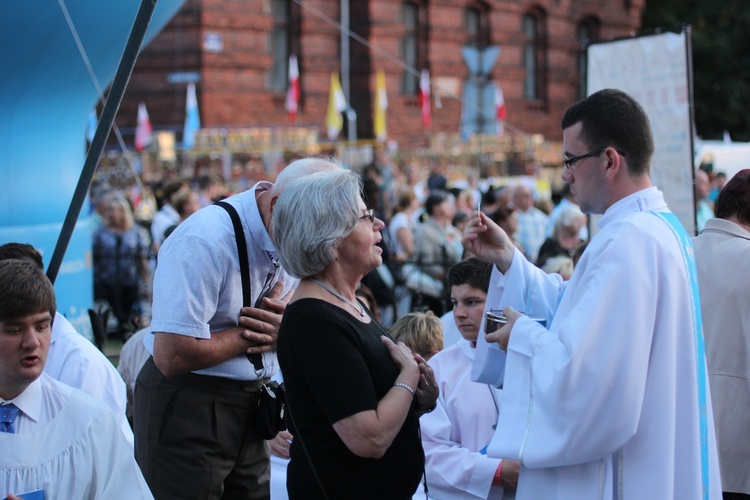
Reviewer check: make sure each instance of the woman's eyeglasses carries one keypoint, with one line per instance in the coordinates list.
(370, 214)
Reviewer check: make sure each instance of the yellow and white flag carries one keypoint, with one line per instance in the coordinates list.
(381, 106)
(336, 106)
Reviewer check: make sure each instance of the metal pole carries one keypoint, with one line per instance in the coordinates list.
(351, 116)
(111, 106)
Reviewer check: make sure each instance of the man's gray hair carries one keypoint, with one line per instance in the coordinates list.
(312, 215)
(302, 168)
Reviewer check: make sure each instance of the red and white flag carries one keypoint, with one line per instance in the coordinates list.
(293, 92)
(501, 112)
(424, 97)
(143, 131)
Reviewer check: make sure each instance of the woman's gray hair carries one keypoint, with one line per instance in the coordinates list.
(567, 218)
(311, 216)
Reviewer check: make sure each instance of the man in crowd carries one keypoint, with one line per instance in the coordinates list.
(703, 210)
(53, 437)
(166, 216)
(722, 254)
(195, 396)
(609, 400)
(532, 222)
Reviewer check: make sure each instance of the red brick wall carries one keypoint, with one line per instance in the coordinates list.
(233, 87)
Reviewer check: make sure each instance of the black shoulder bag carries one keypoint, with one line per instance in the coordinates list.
(268, 417)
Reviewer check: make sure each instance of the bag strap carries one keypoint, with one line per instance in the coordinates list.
(297, 436)
(239, 236)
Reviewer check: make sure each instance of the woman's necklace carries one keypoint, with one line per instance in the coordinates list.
(357, 307)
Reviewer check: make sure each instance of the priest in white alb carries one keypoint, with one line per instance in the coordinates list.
(609, 400)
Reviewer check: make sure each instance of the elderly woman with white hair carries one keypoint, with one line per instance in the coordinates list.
(354, 395)
(565, 235)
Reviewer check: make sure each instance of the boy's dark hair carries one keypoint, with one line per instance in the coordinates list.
(20, 251)
(472, 272)
(734, 198)
(24, 290)
(611, 117)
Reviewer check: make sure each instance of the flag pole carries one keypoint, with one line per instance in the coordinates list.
(111, 106)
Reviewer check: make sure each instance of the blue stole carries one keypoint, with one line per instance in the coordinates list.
(700, 352)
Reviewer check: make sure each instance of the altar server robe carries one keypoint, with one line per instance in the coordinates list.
(79, 454)
(460, 427)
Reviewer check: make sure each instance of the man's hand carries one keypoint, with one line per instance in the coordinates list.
(502, 335)
(509, 474)
(488, 241)
(427, 389)
(280, 444)
(262, 323)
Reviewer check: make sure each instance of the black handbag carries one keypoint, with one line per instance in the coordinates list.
(268, 416)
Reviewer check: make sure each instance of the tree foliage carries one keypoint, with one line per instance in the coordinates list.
(721, 60)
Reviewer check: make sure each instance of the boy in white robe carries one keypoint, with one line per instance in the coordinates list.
(52, 437)
(456, 434)
(611, 401)
(73, 359)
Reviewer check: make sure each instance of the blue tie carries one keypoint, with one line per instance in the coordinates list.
(8, 414)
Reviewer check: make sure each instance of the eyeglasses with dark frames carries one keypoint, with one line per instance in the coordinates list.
(370, 214)
(569, 162)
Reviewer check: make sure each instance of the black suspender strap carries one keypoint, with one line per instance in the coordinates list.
(239, 236)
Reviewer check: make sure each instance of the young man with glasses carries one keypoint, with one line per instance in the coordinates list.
(610, 399)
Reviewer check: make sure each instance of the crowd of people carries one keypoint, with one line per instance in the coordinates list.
(424, 218)
(365, 296)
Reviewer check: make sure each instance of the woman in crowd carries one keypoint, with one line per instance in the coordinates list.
(401, 226)
(507, 218)
(437, 246)
(186, 203)
(565, 235)
(354, 396)
(120, 251)
(401, 236)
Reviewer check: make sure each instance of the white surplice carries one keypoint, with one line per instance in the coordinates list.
(75, 361)
(461, 425)
(605, 403)
(75, 451)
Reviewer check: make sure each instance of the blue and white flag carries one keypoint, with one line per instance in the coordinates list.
(192, 119)
(91, 126)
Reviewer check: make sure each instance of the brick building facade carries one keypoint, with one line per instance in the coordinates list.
(239, 49)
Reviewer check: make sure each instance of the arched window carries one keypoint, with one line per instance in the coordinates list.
(413, 44)
(587, 31)
(534, 55)
(283, 41)
(477, 25)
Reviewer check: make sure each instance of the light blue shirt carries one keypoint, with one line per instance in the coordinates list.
(198, 286)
